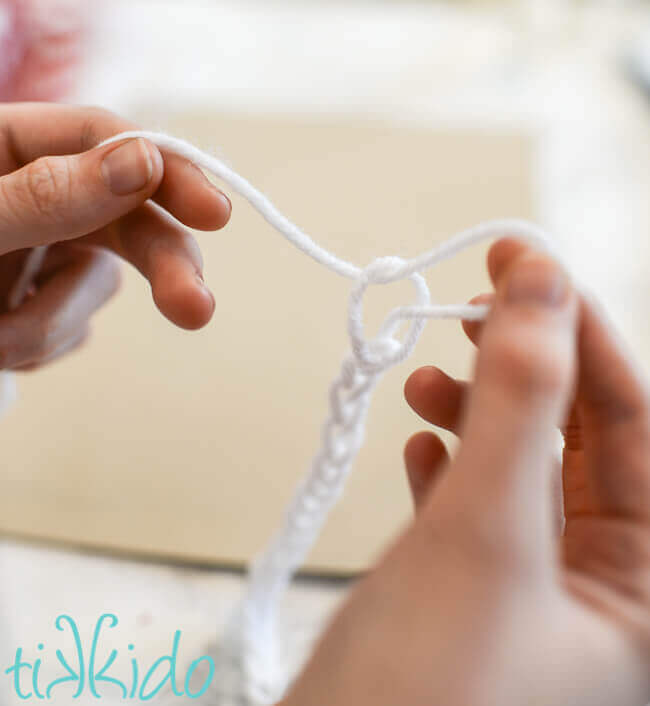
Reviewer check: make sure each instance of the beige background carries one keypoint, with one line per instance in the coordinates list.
(187, 445)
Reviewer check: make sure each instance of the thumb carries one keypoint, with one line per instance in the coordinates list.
(524, 383)
(64, 197)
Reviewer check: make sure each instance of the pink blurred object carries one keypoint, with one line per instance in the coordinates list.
(41, 45)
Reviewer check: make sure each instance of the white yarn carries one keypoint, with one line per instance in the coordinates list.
(248, 667)
(32, 266)
(8, 391)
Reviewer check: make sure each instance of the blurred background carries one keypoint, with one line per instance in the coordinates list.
(576, 73)
(571, 78)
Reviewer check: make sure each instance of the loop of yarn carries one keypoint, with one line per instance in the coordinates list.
(248, 668)
(383, 351)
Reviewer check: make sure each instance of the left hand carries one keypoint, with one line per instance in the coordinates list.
(90, 204)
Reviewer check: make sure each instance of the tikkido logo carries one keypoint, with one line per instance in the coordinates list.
(83, 672)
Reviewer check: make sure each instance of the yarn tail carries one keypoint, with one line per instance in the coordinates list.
(32, 266)
(8, 392)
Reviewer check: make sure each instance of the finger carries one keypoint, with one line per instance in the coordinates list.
(169, 257)
(615, 415)
(473, 328)
(524, 379)
(187, 194)
(502, 254)
(75, 342)
(59, 198)
(425, 457)
(60, 308)
(436, 397)
(577, 499)
(33, 130)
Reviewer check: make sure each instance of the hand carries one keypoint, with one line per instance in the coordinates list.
(478, 602)
(92, 203)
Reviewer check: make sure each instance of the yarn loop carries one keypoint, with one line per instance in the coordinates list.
(383, 351)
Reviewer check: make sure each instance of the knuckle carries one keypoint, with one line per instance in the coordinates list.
(481, 541)
(492, 543)
(98, 113)
(530, 367)
(47, 184)
(95, 121)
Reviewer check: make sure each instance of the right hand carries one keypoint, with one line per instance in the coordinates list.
(475, 603)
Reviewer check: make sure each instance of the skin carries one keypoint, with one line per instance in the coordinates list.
(481, 601)
(54, 190)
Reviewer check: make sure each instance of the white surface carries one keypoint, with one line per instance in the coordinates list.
(151, 601)
(414, 63)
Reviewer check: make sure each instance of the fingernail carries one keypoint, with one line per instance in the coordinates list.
(539, 283)
(127, 168)
(226, 202)
(204, 287)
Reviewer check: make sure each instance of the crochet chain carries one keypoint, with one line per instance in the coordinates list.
(248, 664)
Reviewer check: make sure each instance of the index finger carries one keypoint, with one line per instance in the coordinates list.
(33, 130)
(614, 406)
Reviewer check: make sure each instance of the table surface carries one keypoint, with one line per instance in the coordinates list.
(399, 62)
